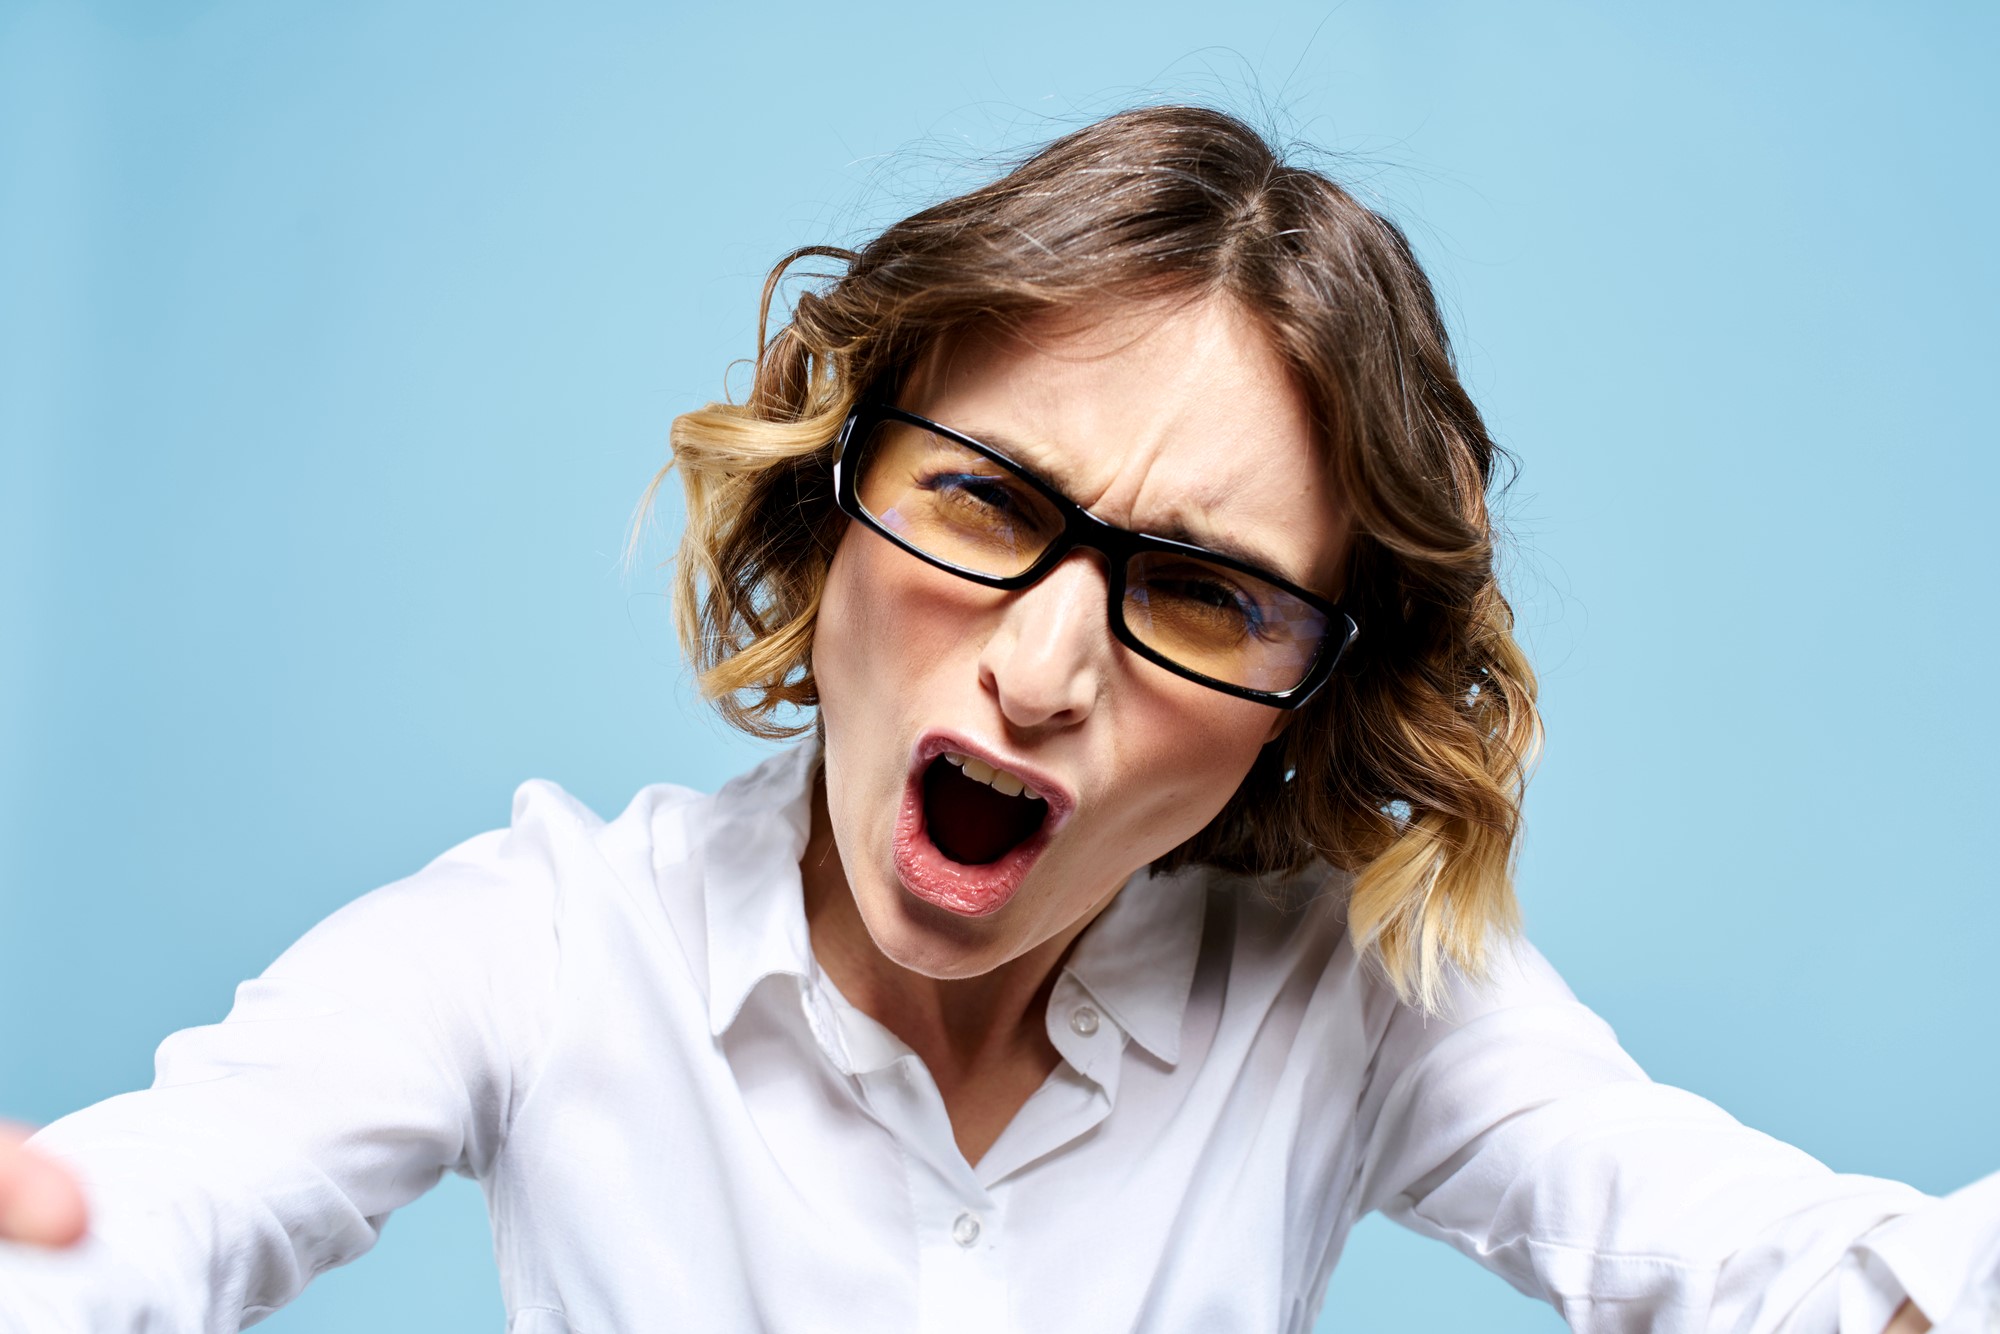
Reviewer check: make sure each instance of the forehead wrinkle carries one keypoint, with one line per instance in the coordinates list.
(1208, 501)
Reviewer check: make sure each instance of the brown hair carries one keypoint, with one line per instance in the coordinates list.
(1407, 769)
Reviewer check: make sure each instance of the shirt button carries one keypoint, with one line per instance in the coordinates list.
(965, 1229)
(1083, 1020)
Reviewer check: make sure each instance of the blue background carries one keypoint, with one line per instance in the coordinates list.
(337, 343)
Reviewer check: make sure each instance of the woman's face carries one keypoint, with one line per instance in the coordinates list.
(1182, 423)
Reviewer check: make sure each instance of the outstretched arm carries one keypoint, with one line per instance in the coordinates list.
(386, 1047)
(1517, 1130)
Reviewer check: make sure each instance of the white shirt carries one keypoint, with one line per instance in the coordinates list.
(619, 1029)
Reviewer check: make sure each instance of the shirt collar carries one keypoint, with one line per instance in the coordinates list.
(755, 903)
(1137, 959)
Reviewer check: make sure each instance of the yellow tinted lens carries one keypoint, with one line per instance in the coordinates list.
(952, 503)
(1220, 622)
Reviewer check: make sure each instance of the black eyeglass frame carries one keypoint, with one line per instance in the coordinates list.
(1117, 545)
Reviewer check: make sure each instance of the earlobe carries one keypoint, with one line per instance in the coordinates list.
(1278, 725)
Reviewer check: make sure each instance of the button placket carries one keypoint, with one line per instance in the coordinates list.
(965, 1229)
(962, 1275)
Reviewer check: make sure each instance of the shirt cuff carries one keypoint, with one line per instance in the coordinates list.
(1945, 1257)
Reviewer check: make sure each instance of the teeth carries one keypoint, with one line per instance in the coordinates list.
(998, 779)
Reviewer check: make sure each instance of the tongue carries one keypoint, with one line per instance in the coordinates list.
(969, 821)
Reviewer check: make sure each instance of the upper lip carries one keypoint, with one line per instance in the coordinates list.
(1046, 785)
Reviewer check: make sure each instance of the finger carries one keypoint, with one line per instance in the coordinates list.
(40, 1201)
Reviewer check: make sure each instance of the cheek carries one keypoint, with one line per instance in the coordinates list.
(887, 622)
(1193, 752)
(843, 624)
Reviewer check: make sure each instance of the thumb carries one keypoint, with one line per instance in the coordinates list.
(40, 1201)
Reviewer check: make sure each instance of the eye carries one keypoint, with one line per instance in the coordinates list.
(1209, 594)
(1214, 593)
(993, 506)
(984, 489)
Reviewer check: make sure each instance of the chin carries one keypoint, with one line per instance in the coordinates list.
(930, 940)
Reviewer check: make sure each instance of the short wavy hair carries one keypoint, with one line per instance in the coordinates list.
(1407, 769)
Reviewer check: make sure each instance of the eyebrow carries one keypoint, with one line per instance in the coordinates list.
(1028, 458)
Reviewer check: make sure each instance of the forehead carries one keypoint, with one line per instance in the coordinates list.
(1180, 421)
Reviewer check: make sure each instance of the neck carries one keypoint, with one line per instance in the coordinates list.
(960, 1027)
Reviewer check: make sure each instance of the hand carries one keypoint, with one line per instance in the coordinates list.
(40, 1201)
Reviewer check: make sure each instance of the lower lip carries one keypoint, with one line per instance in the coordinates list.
(969, 891)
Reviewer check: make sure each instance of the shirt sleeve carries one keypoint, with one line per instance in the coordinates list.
(386, 1046)
(1517, 1130)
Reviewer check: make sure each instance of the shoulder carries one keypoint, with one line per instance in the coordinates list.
(1503, 1043)
(1286, 945)
(493, 904)
(553, 834)
(1296, 924)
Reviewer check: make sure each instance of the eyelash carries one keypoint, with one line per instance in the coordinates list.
(1246, 606)
(966, 481)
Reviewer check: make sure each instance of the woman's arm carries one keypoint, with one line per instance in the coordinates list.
(386, 1047)
(1518, 1131)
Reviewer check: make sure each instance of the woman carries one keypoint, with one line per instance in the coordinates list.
(1135, 917)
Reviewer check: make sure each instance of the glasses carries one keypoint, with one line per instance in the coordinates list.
(967, 508)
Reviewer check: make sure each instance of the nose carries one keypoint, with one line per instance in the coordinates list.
(1045, 661)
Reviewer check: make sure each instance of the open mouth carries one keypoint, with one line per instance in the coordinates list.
(976, 814)
(970, 831)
